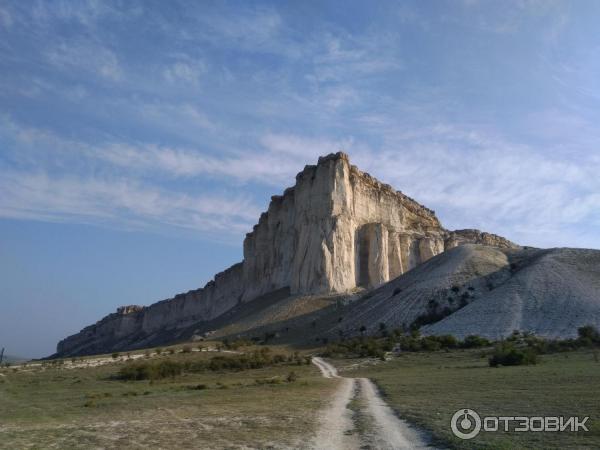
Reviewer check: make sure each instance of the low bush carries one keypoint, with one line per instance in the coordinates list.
(519, 348)
(474, 341)
(235, 344)
(150, 371)
(377, 347)
(360, 347)
(169, 368)
(432, 316)
(262, 381)
(507, 354)
(292, 376)
(588, 335)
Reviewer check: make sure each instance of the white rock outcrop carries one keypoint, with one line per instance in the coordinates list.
(336, 230)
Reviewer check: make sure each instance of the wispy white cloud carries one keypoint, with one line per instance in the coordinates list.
(88, 56)
(252, 28)
(476, 179)
(170, 115)
(278, 158)
(122, 202)
(288, 97)
(186, 72)
(513, 16)
(88, 13)
(342, 57)
(6, 19)
(472, 177)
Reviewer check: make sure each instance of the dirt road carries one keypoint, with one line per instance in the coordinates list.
(358, 417)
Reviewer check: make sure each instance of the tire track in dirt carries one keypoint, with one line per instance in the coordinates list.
(337, 429)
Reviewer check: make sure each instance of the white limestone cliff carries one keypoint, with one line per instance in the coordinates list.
(336, 230)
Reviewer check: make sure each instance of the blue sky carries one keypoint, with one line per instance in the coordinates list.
(139, 141)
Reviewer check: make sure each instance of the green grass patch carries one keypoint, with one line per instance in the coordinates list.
(427, 388)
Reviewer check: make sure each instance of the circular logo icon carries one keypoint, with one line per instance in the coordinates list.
(465, 424)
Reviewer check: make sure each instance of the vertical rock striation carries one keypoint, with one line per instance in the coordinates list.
(336, 230)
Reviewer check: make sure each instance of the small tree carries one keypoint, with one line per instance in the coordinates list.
(588, 334)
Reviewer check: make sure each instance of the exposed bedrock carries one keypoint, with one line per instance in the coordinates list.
(335, 230)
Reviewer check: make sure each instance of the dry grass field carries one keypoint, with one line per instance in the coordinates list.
(83, 407)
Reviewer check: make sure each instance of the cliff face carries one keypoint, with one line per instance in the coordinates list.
(337, 229)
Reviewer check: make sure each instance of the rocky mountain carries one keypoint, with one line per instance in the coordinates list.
(488, 291)
(336, 231)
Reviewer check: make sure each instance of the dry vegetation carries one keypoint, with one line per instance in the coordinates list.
(53, 406)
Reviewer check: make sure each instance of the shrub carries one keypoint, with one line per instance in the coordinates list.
(464, 299)
(361, 347)
(150, 371)
(588, 335)
(291, 377)
(474, 341)
(507, 354)
(234, 345)
(432, 316)
(430, 343)
(186, 349)
(274, 380)
(448, 341)
(115, 355)
(169, 368)
(269, 336)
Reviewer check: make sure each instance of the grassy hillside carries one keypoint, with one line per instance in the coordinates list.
(427, 388)
(80, 404)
